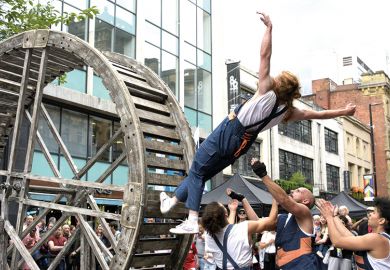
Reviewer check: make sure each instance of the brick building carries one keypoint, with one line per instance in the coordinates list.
(373, 89)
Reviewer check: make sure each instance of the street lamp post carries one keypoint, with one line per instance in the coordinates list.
(373, 147)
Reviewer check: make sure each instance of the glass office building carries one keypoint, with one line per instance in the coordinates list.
(173, 39)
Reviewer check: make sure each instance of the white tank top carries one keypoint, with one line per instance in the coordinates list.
(238, 246)
(379, 264)
(258, 108)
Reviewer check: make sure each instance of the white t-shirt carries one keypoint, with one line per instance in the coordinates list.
(237, 246)
(265, 238)
(258, 108)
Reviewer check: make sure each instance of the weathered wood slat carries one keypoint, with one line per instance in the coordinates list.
(164, 148)
(17, 60)
(128, 71)
(71, 209)
(161, 132)
(70, 59)
(16, 77)
(36, 59)
(136, 84)
(11, 67)
(157, 228)
(151, 259)
(12, 85)
(157, 244)
(151, 106)
(152, 209)
(155, 118)
(154, 195)
(165, 163)
(145, 95)
(164, 179)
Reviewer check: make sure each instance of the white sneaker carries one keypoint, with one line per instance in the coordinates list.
(186, 227)
(319, 254)
(165, 203)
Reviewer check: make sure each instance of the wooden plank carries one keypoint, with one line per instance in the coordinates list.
(165, 163)
(16, 77)
(160, 132)
(91, 241)
(71, 209)
(151, 259)
(164, 179)
(18, 69)
(3, 243)
(151, 106)
(155, 118)
(108, 233)
(45, 150)
(159, 228)
(36, 59)
(128, 73)
(15, 86)
(152, 209)
(127, 70)
(103, 248)
(72, 182)
(145, 95)
(46, 189)
(136, 84)
(154, 195)
(17, 60)
(16, 132)
(20, 246)
(154, 244)
(59, 140)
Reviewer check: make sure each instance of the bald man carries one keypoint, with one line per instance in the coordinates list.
(294, 231)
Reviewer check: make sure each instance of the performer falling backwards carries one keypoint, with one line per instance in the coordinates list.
(271, 104)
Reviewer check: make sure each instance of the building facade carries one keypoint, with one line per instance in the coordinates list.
(372, 97)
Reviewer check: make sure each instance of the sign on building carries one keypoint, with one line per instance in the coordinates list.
(369, 192)
(233, 85)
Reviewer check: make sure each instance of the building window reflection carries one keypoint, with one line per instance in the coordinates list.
(333, 177)
(99, 134)
(290, 163)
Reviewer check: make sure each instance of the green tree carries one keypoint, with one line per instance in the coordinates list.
(296, 180)
(21, 15)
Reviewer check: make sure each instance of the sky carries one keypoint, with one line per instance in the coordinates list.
(309, 35)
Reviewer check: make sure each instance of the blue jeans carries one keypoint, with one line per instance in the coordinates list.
(213, 155)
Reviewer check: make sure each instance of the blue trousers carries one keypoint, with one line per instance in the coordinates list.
(213, 155)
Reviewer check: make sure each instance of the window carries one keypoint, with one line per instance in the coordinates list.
(115, 28)
(300, 131)
(162, 41)
(331, 141)
(99, 134)
(197, 61)
(242, 165)
(332, 178)
(290, 163)
(83, 135)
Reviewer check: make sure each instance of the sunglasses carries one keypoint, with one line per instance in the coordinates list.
(241, 213)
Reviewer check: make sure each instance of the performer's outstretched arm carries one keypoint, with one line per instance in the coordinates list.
(265, 81)
(299, 114)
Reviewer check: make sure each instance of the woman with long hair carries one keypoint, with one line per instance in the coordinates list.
(231, 244)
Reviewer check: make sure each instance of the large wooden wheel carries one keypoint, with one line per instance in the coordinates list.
(158, 149)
